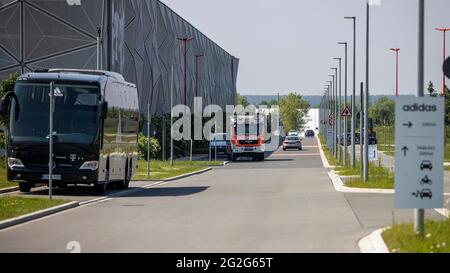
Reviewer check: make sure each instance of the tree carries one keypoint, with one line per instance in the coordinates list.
(431, 89)
(383, 110)
(7, 85)
(293, 110)
(242, 100)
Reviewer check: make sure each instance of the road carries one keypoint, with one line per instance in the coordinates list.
(285, 204)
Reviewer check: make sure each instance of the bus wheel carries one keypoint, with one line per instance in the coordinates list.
(24, 186)
(100, 189)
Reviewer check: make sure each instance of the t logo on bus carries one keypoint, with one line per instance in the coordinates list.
(73, 157)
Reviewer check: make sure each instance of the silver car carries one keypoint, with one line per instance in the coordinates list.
(292, 142)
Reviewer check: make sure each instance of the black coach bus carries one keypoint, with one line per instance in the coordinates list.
(96, 125)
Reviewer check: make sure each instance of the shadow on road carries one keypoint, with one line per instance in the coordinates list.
(279, 160)
(169, 192)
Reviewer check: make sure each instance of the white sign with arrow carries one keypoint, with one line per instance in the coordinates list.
(419, 139)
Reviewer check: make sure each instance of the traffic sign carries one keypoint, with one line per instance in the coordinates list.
(447, 67)
(419, 139)
(331, 119)
(347, 112)
(330, 138)
(373, 152)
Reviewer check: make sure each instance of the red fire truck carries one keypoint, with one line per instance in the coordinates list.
(247, 137)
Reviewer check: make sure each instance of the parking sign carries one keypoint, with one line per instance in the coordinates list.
(419, 139)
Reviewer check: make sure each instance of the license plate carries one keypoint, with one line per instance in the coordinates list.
(54, 177)
(248, 149)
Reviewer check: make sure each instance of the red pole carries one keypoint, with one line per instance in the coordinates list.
(396, 69)
(443, 75)
(185, 71)
(444, 30)
(396, 77)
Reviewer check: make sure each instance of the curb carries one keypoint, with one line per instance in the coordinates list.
(35, 215)
(340, 187)
(8, 190)
(325, 162)
(373, 243)
(187, 175)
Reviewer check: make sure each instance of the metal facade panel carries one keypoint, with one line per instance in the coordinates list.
(56, 34)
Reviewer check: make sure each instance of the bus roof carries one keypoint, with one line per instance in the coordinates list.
(75, 75)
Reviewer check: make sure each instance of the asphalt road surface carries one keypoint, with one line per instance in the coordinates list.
(285, 204)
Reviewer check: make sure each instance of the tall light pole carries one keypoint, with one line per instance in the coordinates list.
(339, 111)
(333, 143)
(365, 157)
(185, 41)
(396, 50)
(197, 84)
(353, 130)
(345, 102)
(335, 118)
(444, 32)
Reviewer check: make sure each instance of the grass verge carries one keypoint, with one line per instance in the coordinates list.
(3, 181)
(328, 153)
(160, 170)
(402, 239)
(11, 207)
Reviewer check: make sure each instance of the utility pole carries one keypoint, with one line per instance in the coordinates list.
(353, 129)
(419, 214)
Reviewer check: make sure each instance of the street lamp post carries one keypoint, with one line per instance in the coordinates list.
(335, 118)
(333, 143)
(339, 148)
(444, 32)
(185, 40)
(197, 85)
(396, 50)
(345, 103)
(353, 129)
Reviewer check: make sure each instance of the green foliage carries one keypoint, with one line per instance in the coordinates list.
(383, 110)
(13, 206)
(242, 100)
(269, 104)
(154, 147)
(431, 90)
(293, 109)
(401, 238)
(7, 85)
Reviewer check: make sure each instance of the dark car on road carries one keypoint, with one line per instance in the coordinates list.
(310, 133)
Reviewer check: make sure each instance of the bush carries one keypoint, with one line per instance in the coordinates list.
(155, 148)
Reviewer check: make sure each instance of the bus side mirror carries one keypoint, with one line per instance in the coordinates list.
(104, 112)
(6, 102)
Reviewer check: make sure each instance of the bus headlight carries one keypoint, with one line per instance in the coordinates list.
(90, 165)
(15, 163)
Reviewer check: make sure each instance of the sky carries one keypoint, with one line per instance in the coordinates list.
(288, 45)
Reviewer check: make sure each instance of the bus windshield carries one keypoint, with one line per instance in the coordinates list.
(76, 116)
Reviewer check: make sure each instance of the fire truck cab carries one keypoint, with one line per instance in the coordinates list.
(247, 137)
